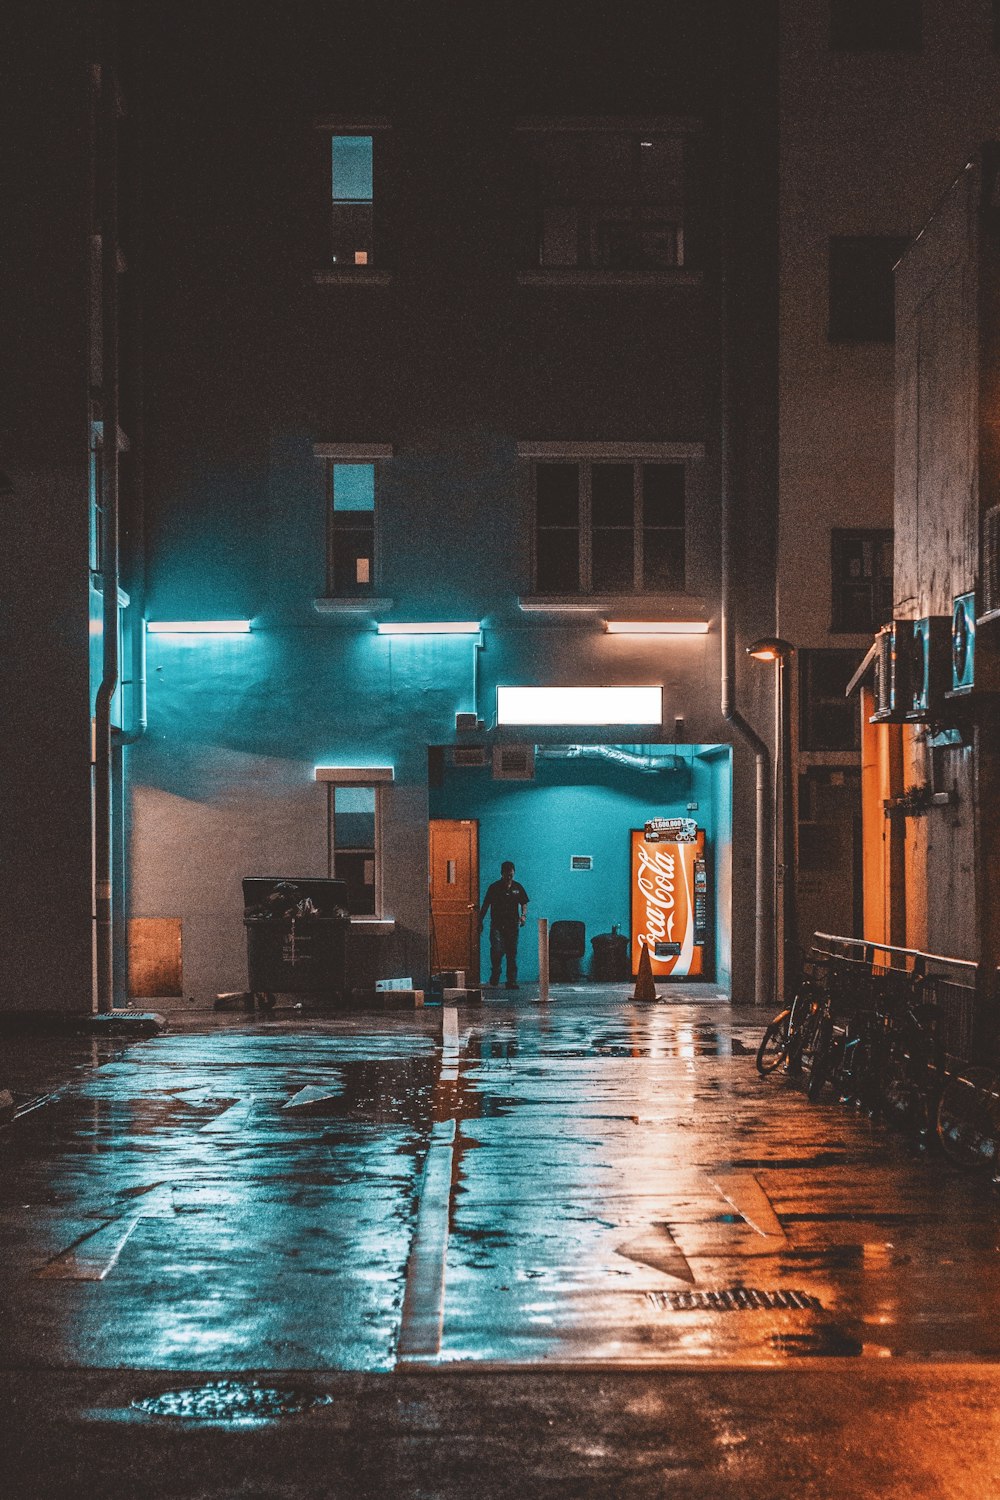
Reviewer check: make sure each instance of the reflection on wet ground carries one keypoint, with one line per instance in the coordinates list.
(590, 1180)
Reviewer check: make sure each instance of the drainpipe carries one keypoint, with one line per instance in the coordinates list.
(108, 189)
(727, 464)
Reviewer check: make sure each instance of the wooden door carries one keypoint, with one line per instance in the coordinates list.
(454, 867)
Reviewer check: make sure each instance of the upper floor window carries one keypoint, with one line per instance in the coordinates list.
(607, 527)
(827, 719)
(609, 199)
(350, 529)
(861, 577)
(875, 25)
(862, 287)
(351, 159)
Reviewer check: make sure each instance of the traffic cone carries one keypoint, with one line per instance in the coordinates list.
(645, 989)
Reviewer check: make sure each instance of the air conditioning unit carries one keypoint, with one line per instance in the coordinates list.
(963, 645)
(930, 668)
(513, 762)
(468, 757)
(893, 662)
(990, 570)
(975, 650)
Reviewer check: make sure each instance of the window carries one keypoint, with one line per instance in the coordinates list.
(828, 720)
(98, 519)
(351, 186)
(861, 576)
(609, 527)
(875, 25)
(862, 288)
(609, 199)
(353, 845)
(351, 529)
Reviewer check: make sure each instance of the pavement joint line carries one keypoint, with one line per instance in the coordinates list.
(94, 1255)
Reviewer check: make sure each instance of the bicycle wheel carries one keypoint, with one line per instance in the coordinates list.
(968, 1118)
(821, 1060)
(802, 1023)
(914, 1070)
(773, 1044)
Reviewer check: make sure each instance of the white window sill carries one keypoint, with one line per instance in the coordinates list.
(575, 276)
(352, 276)
(639, 606)
(377, 926)
(351, 606)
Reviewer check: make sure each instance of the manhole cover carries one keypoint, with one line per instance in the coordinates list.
(238, 1402)
(736, 1299)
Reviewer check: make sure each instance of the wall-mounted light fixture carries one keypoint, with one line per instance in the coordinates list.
(579, 705)
(198, 627)
(431, 627)
(656, 627)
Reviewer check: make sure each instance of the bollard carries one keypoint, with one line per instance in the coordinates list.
(543, 958)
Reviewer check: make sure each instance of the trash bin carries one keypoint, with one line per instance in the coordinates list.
(611, 961)
(296, 936)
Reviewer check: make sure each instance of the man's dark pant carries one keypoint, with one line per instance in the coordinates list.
(503, 944)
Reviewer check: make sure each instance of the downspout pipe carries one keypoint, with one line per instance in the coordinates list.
(728, 475)
(108, 211)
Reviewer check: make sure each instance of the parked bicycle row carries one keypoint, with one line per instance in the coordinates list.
(874, 1037)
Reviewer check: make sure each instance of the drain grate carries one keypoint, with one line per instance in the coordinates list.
(735, 1299)
(240, 1403)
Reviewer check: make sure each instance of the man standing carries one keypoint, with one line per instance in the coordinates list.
(505, 900)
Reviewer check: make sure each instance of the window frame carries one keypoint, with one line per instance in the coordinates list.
(840, 538)
(344, 273)
(333, 455)
(811, 704)
(377, 779)
(585, 456)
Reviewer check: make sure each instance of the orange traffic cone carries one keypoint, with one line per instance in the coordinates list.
(645, 989)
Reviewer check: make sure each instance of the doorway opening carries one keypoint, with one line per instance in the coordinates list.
(573, 819)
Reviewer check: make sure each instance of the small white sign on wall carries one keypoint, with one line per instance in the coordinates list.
(581, 861)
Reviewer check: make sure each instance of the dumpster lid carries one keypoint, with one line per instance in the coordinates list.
(328, 896)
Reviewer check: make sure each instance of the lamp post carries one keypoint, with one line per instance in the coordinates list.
(773, 648)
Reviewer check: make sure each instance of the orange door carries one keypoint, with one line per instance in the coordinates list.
(454, 862)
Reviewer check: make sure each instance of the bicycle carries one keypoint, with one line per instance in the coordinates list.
(791, 1034)
(968, 1119)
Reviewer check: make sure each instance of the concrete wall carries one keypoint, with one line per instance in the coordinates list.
(46, 952)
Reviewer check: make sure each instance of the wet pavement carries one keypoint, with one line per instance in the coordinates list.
(593, 1189)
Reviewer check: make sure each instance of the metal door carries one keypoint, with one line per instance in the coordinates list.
(454, 881)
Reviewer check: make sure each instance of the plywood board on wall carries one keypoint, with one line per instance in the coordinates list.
(155, 968)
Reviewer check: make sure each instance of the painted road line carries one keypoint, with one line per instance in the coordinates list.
(233, 1118)
(449, 1044)
(93, 1255)
(744, 1193)
(422, 1321)
(312, 1094)
(657, 1247)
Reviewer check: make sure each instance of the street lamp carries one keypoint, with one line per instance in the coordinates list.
(773, 648)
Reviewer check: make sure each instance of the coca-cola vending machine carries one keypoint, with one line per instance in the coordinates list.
(669, 897)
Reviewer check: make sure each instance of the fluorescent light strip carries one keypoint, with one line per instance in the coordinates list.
(433, 627)
(656, 627)
(579, 705)
(198, 627)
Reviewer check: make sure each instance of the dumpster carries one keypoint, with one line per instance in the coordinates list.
(296, 936)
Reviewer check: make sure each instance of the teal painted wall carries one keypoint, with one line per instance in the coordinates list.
(579, 806)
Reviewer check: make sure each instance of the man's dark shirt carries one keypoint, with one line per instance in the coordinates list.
(505, 903)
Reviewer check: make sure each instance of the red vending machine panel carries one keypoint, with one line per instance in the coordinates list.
(669, 899)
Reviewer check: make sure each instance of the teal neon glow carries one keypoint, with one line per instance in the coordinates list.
(579, 705)
(432, 627)
(198, 627)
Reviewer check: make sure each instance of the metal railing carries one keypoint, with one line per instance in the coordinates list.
(964, 991)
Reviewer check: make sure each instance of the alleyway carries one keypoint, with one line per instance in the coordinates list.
(594, 1183)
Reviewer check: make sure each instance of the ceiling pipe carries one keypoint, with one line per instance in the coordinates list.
(649, 764)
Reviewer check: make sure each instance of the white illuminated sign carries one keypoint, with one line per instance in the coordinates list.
(579, 705)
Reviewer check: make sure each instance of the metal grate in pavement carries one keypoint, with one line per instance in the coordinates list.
(232, 1402)
(736, 1299)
